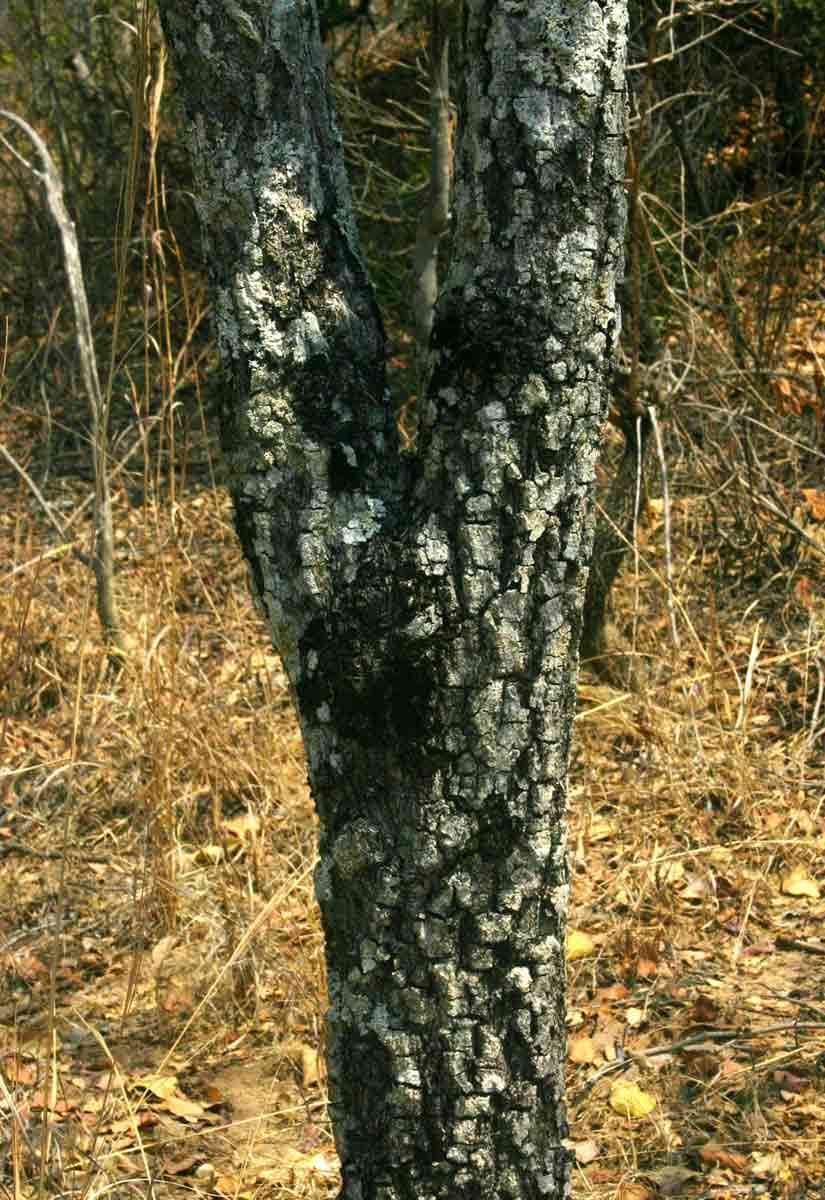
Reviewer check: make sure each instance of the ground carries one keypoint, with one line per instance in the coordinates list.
(161, 964)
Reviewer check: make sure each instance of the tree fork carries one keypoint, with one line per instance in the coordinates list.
(427, 609)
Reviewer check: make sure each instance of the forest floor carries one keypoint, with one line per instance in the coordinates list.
(161, 965)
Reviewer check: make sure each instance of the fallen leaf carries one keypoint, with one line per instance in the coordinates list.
(209, 855)
(18, 1071)
(634, 1191)
(616, 991)
(579, 945)
(671, 1180)
(162, 1086)
(705, 1010)
(175, 1000)
(629, 1100)
(228, 1185)
(585, 1151)
(582, 1050)
(799, 883)
(789, 1082)
(600, 830)
(718, 1156)
(730, 1067)
(178, 1165)
(190, 1110)
(763, 1166)
(696, 888)
(246, 825)
(815, 500)
(309, 1065)
(634, 1017)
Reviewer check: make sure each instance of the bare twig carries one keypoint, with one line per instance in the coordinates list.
(435, 215)
(9, 847)
(103, 557)
(712, 33)
(729, 1036)
(33, 488)
(49, 511)
(789, 943)
(660, 450)
(784, 519)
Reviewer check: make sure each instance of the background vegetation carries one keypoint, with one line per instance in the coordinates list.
(161, 968)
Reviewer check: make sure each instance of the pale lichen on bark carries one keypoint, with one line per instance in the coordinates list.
(427, 610)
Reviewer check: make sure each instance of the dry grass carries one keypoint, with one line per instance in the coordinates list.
(162, 988)
(159, 814)
(697, 839)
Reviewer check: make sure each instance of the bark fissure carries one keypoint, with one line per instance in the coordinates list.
(427, 610)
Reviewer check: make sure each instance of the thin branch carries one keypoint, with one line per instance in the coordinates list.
(783, 517)
(704, 37)
(666, 514)
(33, 488)
(103, 558)
(435, 215)
(789, 943)
(49, 511)
(729, 1036)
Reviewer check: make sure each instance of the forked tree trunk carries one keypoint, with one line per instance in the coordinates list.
(427, 611)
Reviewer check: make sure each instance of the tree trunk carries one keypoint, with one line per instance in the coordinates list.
(427, 609)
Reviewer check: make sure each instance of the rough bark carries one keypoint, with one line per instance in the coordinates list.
(427, 610)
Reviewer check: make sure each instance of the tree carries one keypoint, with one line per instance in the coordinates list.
(427, 607)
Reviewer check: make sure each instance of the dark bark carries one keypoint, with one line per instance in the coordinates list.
(614, 529)
(427, 610)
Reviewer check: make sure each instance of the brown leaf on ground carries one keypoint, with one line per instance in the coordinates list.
(718, 1156)
(586, 1151)
(582, 1050)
